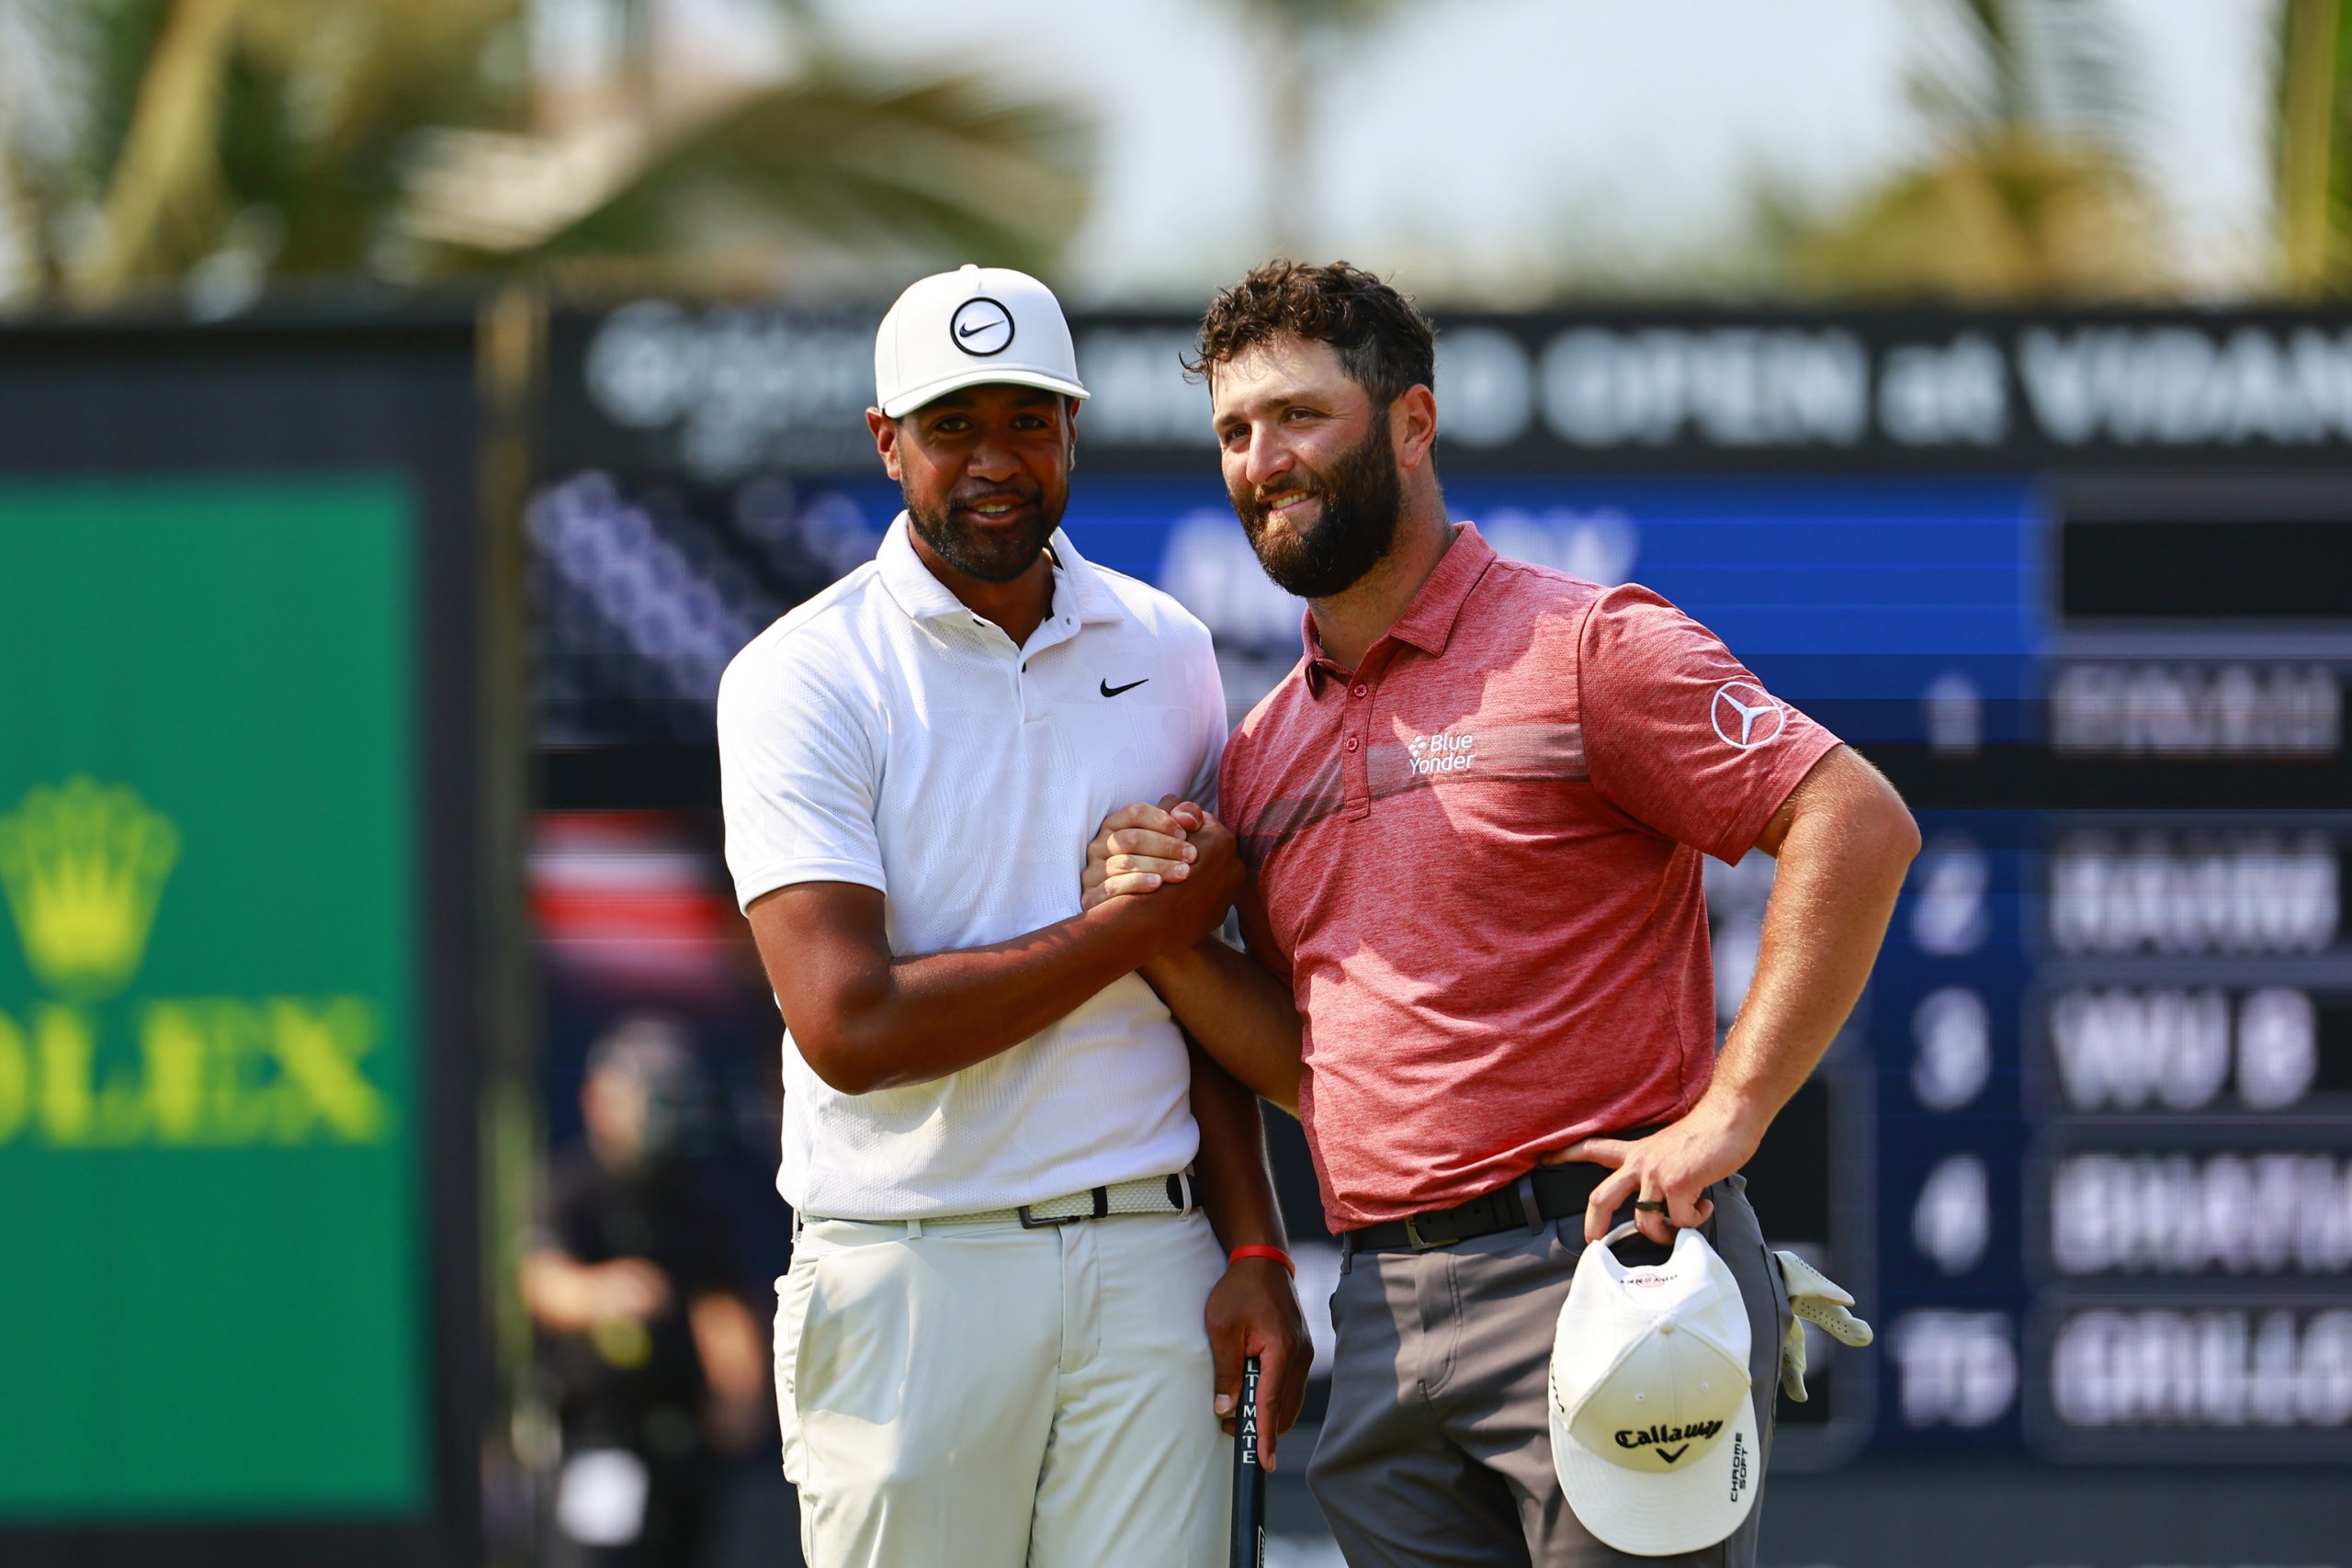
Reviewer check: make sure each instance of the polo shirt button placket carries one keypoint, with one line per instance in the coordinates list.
(1354, 769)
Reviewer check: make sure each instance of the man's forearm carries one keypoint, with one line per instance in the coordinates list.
(556, 1292)
(866, 1022)
(1235, 1186)
(1833, 893)
(1241, 1014)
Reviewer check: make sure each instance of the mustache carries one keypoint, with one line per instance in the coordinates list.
(1262, 496)
(975, 495)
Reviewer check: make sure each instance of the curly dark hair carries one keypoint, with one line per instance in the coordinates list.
(1384, 341)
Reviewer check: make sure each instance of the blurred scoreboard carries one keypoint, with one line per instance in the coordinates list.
(2082, 587)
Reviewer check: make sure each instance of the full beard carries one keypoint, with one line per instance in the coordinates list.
(1353, 528)
(985, 554)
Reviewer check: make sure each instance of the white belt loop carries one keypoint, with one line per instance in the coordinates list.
(915, 1230)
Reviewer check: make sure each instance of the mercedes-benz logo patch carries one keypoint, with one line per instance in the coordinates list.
(981, 326)
(1746, 716)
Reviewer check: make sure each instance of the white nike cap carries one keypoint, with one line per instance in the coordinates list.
(976, 324)
(1653, 1432)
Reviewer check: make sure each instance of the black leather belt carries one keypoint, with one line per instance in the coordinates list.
(1547, 1192)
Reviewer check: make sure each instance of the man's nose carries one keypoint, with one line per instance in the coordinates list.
(1265, 459)
(992, 460)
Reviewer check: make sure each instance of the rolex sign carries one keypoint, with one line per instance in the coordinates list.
(211, 1296)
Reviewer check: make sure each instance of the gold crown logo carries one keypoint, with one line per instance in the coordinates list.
(84, 866)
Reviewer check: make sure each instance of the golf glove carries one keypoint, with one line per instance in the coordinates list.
(1813, 1297)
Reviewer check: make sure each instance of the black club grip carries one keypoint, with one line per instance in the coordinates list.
(1248, 1477)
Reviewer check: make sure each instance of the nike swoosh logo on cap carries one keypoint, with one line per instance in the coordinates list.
(1110, 691)
(975, 332)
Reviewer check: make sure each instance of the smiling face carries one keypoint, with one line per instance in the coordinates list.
(1310, 464)
(984, 472)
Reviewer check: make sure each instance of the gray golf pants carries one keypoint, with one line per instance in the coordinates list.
(1437, 1452)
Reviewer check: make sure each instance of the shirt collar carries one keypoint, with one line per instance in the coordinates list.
(1077, 588)
(922, 596)
(1428, 622)
(1090, 596)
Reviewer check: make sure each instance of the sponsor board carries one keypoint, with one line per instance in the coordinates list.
(208, 1063)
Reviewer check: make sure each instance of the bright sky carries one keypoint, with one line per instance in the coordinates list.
(1475, 144)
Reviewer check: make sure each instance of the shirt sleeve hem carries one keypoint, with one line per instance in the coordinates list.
(1817, 743)
(757, 884)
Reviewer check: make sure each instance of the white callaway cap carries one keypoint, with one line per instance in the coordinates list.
(1653, 1432)
(963, 328)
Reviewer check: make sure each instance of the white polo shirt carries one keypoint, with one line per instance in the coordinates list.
(882, 734)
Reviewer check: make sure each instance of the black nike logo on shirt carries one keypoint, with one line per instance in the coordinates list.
(1110, 691)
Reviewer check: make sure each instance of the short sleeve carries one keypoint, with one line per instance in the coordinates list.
(1678, 734)
(800, 775)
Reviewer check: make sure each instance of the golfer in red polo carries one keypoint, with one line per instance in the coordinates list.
(1474, 815)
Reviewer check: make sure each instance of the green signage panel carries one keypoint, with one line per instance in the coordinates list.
(211, 1275)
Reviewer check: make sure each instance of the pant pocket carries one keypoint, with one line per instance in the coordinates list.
(792, 1292)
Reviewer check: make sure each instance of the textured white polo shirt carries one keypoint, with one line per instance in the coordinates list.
(882, 734)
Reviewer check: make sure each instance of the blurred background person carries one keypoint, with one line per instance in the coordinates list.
(657, 1365)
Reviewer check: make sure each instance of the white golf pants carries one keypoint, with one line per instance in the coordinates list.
(990, 1397)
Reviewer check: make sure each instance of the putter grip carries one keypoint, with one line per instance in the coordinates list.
(1248, 1477)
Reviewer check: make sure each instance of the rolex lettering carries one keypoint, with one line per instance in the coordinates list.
(85, 866)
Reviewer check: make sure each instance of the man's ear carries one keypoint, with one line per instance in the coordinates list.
(1413, 425)
(885, 441)
(1072, 403)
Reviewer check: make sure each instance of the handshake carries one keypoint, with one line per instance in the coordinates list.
(1179, 867)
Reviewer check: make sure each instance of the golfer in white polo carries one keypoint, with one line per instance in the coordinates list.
(1036, 1236)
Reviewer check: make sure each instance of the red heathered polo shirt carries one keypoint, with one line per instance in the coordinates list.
(1477, 858)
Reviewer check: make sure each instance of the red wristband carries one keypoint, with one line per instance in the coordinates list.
(1258, 1250)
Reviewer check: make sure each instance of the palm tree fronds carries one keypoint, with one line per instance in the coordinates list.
(2313, 144)
(168, 196)
(2030, 190)
(2013, 218)
(840, 163)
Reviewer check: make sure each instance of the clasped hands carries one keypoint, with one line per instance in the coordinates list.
(1176, 850)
